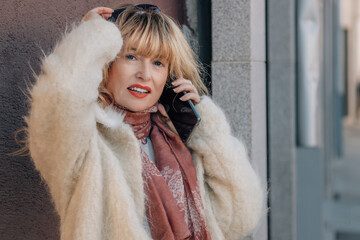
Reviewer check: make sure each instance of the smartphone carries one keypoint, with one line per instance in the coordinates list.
(182, 114)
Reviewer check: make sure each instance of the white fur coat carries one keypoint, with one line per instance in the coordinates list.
(90, 159)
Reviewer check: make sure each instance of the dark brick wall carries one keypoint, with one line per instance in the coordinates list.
(26, 29)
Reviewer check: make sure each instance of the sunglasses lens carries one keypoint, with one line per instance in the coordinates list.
(148, 7)
(114, 16)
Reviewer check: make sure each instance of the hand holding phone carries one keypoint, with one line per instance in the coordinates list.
(182, 114)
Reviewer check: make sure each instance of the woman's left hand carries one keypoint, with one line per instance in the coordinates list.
(97, 12)
(192, 94)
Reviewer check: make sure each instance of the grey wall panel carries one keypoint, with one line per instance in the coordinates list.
(281, 72)
(309, 182)
(231, 30)
(231, 90)
(239, 78)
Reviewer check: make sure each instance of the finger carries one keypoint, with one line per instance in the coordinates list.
(195, 98)
(106, 16)
(90, 15)
(185, 87)
(180, 81)
(102, 10)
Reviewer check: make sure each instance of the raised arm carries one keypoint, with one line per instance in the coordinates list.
(232, 188)
(61, 122)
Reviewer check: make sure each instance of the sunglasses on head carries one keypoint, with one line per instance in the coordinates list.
(146, 7)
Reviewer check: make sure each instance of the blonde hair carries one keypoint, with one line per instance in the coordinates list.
(154, 34)
(24, 150)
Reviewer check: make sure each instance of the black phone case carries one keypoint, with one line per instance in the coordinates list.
(182, 114)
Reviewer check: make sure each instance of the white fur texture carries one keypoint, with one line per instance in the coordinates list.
(90, 158)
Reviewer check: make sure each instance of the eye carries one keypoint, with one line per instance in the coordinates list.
(158, 63)
(130, 57)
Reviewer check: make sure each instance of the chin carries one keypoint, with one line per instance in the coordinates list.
(139, 108)
(136, 105)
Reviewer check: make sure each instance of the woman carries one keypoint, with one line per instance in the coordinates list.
(105, 148)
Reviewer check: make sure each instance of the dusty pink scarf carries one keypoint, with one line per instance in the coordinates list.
(174, 207)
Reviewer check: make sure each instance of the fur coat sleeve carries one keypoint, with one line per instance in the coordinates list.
(61, 123)
(231, 189)
(88, 187)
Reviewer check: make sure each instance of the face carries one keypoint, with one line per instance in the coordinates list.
(136, 82)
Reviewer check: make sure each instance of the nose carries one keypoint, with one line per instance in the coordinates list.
(145, 70)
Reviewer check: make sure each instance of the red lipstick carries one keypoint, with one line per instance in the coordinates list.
(139, 91)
